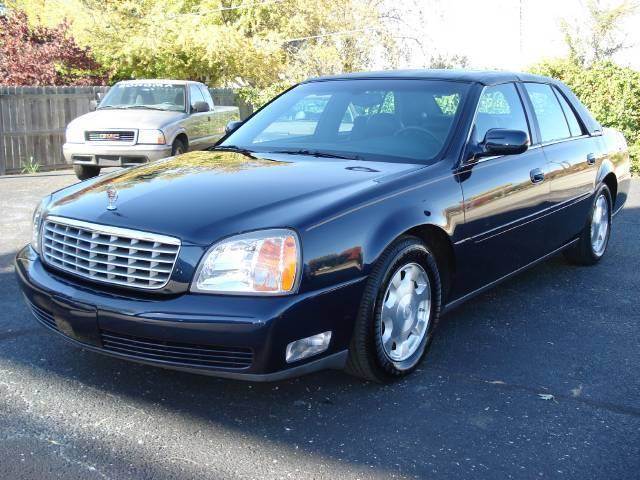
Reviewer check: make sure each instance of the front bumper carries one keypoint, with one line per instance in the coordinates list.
(113, 155)
(198, 333)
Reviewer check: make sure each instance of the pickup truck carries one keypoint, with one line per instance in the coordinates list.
(144, 120)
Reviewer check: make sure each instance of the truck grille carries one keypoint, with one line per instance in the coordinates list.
(109, 254)
(111, 136)
(232, 358)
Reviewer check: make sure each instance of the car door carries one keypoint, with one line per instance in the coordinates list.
(196, 124)
(572, 158)
(504, 196)
(214, 128)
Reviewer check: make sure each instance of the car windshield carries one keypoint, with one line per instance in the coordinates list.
(151, 96)
(378, 120)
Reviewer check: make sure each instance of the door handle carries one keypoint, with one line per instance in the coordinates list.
(536, 175)
(591, 159)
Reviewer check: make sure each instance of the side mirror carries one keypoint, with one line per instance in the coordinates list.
(502, 141)
(232, 126)
(93, 104)
(200, 107)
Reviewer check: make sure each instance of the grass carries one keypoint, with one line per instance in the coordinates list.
(30, 166)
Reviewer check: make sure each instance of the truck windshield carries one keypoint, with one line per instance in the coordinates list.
(377, 119)
(152, 96)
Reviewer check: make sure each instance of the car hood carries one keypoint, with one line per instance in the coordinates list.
(203, 196)
(133, 118)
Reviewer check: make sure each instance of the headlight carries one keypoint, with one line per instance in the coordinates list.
(74, 134)
(266, 262)
(151, 137)
(36, 222)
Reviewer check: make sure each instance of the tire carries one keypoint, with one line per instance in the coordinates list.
(369, 354)
(178, 148)
(594, 238)
(84, 172)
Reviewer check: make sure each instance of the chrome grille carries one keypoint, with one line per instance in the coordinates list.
(109, 254)
(111, 136)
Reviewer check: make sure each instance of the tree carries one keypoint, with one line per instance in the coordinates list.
(260, 46)
(39, 55)
(600, 37)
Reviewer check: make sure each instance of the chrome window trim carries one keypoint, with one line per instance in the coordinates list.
(116, 231)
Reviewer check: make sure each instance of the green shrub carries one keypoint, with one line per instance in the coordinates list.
(610, 92)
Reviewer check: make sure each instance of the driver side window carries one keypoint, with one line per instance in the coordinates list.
(500, 107)
(195, 94)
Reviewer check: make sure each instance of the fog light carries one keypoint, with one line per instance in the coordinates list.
(306, 347)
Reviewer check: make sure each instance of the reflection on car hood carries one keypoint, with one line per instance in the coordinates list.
(202, 196)
(130, 118)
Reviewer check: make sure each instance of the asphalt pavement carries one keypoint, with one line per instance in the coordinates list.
(537, 378)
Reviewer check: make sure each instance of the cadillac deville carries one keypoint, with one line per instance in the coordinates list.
(332, 229)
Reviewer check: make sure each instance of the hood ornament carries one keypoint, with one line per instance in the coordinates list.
(112, 197)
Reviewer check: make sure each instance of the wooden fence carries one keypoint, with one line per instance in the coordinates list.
(33, 121)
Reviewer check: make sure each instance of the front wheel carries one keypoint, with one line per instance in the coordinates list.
(398, 313)
(594, 239)
(178, 147)
(84, 172)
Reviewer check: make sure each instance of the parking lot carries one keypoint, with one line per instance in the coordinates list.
(538, 378)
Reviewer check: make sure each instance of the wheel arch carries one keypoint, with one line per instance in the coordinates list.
(435, 233)
(441, 246)
(607, 175)
(182, 136)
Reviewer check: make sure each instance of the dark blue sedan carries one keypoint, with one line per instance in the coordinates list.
(331, 229)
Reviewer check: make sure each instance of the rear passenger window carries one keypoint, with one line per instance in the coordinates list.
(499, 107)
(574, 125)
(551, 120)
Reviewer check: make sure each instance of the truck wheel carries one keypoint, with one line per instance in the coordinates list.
(594, 239)
(178, 147)
(83, 172)
(398, 313)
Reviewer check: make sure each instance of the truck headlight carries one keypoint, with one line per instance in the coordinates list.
(151, 137)
(265, 262)
(74, 134)
(36, 223)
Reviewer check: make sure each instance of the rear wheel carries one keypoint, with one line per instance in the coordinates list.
(398, 313)
(84, 172)
(594, 239)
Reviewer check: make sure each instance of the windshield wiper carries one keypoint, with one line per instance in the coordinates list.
(143, 107)
(230, 148)
(318, 154)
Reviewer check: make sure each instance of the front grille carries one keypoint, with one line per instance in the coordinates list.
(111, 136)
(231, 358)
(109, 254)
(43, 317)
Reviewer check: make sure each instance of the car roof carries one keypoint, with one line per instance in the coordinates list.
(159, 80)
(485, 77)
